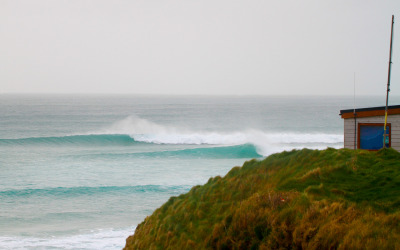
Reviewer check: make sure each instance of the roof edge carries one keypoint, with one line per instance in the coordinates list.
(372, 111)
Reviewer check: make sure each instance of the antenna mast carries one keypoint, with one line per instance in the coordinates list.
(354, 113)
(385, 136)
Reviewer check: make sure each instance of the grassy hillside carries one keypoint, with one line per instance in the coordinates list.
(300, 199)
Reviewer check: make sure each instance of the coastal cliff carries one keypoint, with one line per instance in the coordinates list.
(299, 199)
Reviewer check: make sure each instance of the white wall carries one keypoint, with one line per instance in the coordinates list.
(349, 129)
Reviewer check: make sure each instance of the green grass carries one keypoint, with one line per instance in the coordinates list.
(298, 199)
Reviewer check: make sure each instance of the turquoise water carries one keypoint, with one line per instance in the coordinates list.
(80, 172)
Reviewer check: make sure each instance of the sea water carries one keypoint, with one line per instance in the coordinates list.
(80, 172)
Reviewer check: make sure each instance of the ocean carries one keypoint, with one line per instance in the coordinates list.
(81, 171)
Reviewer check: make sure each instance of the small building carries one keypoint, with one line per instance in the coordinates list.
(363, 128)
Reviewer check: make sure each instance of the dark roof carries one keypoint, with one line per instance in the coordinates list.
(368, 109)
(373, 111)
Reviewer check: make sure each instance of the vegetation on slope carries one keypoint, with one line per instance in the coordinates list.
(300, 199)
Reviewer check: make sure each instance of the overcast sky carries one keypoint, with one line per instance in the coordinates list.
(218, 47)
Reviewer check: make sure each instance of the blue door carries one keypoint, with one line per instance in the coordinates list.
(371, 136)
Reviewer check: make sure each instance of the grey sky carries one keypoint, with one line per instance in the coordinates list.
(198, 47)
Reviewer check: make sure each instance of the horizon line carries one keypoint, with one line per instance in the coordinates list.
(183, 95)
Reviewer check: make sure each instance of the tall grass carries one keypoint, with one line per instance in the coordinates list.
(299, 199)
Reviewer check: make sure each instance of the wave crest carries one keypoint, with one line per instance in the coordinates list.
(133, 130)
(220, 152)
(78, 191)
(97, 139)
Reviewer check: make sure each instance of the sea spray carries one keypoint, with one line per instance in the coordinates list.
(142, 130)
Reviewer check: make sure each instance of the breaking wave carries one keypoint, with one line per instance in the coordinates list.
(134, 130)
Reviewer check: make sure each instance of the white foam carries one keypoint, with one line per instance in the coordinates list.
(94, 239)
(193, 138)
(142, 130)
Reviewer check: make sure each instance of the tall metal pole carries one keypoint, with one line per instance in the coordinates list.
(354, 113)
(388, 85)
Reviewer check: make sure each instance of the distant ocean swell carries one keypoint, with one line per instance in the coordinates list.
(85, 191)
(85, 140)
